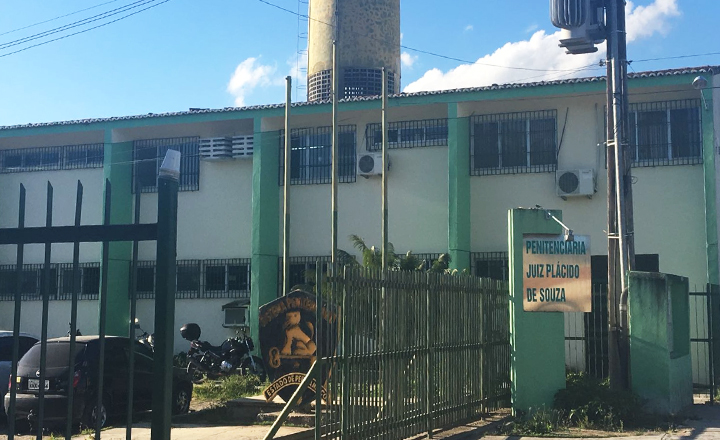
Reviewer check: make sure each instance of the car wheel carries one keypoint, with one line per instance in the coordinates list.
(91, 414)
(181, 399)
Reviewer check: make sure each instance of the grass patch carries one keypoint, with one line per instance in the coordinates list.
(228, 388)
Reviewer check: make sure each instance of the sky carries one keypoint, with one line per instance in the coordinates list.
(172, 55)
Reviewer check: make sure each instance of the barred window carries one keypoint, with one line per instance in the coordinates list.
(302, 270)
(511, 143)
(148, 155)
(65, 157)
(311, 155)
(666, 133)
(228, 278)
(493, 265)
(61, 281)
(408, 134)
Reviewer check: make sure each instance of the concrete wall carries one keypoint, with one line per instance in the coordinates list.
(660, 359)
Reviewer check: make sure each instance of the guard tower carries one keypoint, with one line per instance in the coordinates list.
(368, 39)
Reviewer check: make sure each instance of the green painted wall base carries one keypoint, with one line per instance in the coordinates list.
(537, 339)
(660, 364)
(118, 169)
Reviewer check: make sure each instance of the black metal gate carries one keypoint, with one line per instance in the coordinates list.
(703, 317)
(164, 232)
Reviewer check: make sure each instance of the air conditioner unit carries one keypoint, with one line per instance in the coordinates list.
(217, 148)
(236, 313)
(242, 146)
(370, 164)
(569, 183)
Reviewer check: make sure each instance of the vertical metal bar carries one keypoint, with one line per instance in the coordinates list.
(320, 345)
(73, 315)
(428, 354)
(286, 190)
(166, 286)
(384, 176)
(103, 313)
(45, 306)
(335, 158)
(711, 338)
(16, 318)
(133, 314)
(344, 407)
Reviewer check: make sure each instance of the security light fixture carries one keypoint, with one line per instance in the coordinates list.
(567, 232)
(699, 83)
(171, 165)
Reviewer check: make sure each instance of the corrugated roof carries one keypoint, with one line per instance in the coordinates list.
(649, 74)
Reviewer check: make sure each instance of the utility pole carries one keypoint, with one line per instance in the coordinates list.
(620, 226)
(583, 29)
(335, 92)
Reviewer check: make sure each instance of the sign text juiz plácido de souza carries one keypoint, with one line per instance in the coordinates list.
(556, 273)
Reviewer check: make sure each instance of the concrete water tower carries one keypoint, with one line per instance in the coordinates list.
(368, 39)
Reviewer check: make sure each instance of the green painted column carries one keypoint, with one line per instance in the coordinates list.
(118, 169)
(713, 271)
(537, 339)
(266, 223)
(458, 189)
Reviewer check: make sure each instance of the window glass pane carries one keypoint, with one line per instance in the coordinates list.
(12, 160)
(412, 134)
(146, 166)
(238, 278)
(29, 281)
(91, 281)
(514, 143)
(7, 282)
(685, 132)
(346, 151)
(215, 278)
(188, 278)
(486, 145)
(652, 135)
(542, 141)
(436, 133)
(53, 281)
(67, 280)
(145, 279)
(33, 159)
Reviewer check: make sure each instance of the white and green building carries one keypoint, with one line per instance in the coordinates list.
(459, 160)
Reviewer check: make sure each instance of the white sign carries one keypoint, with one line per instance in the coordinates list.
(556, 273)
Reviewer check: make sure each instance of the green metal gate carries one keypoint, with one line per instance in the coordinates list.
(416, 352)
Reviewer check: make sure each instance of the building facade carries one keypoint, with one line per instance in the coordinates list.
(459, 160)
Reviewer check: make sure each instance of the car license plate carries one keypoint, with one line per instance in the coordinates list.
(34, 384)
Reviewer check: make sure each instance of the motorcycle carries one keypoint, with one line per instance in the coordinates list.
(233, 356)
(146, 339)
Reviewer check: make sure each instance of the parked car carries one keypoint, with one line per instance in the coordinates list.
(6, 347)
(84, 385)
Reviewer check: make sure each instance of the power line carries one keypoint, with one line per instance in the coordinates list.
(78, 23)
(84, 30)
(420, 50)
(57, 18)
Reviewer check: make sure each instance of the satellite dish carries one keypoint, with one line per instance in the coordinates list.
(699, 83)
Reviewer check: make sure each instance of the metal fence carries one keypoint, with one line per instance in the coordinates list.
(586, 336)
(702, 304)
(417, 351)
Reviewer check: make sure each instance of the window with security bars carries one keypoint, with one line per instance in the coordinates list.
(61, 281)
(65, 157)
(148, 155)
(665, 133)
(510, 143)
(493, 265)
(311, 155)
(302, 271)
(229, 278)
(408, 134)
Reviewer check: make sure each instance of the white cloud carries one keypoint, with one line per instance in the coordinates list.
(532, 28)
(541, 52)
(248, 75)
(469, 28)
(408, 60)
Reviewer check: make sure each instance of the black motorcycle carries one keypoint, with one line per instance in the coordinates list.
(231, 357)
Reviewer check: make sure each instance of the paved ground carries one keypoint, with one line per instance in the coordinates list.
(702, 423)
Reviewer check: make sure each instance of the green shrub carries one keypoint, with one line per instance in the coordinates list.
(180, 360)
(228, 388)
(590, 403)
(537, 423)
